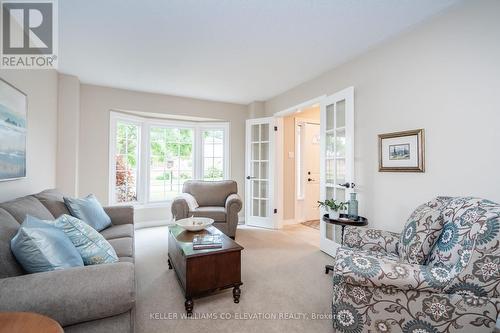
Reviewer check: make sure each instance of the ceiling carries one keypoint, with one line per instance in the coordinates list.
(226, 50)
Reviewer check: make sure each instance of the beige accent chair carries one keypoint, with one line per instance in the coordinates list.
(218, 200)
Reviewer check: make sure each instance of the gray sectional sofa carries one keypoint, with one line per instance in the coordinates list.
(94, 299)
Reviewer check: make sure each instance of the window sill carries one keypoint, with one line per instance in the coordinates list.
(139, 206)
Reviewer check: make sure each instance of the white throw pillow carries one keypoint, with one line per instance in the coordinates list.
(191, 201)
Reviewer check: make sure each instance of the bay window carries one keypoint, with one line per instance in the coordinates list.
(150, 159)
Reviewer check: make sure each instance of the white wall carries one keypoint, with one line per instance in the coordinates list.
(95, 105)
(41, 88)
(443, 76)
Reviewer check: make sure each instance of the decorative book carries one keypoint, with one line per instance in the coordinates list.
(201, 242)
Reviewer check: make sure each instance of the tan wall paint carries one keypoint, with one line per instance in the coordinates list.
(41, 88)
(95, 105)
(443, 76)
(68, 132)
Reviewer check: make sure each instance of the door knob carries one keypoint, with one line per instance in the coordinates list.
(310, 179)
(348, 185)
(249, 177)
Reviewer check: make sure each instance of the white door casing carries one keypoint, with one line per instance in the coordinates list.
(260, 173)
(337, 158)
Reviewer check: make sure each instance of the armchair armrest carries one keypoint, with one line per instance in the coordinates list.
(72, 295)
(233, 206)
(371, 239)
(233, 202)
(120, 214)
(373, 270)
(180, 208)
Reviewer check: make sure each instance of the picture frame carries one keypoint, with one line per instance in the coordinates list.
(13, 132)
(402, 151)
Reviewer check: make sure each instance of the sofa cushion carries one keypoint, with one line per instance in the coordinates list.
(422, 231)
(124, 247)
(29, 205)
(53, 201)
(8, 229)
(210, 193)
(91, 245)
(118, 231)
(216, 213)
(41, 247)
(89, 210)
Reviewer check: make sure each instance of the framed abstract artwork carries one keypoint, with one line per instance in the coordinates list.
(13, 130)
(402, 151)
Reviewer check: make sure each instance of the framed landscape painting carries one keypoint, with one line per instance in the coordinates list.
(402, 151)
(13, 112)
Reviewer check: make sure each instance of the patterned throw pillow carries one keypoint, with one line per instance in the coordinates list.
(91, 245)
(40, 247)
(89, 210)
(468, 220)
(421, 231)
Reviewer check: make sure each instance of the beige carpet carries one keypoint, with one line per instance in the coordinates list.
(283, 276)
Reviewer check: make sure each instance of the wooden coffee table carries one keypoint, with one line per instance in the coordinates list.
(202, 272)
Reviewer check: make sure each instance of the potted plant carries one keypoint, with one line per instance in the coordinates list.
(333, 207)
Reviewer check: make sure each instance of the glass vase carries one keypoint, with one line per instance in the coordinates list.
(352, 211)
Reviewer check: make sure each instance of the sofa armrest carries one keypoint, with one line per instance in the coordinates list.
(373, 270)
(120, 214)
(180, 208)
(371, 239)
(72, 295)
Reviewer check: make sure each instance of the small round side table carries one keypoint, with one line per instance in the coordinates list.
(343, 220)
(27, 322)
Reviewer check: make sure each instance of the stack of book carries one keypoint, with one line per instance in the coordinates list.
(201, 242)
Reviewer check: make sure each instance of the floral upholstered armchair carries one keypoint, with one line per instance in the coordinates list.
(440, 275)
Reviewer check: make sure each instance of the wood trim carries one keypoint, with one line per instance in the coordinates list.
(420, 133)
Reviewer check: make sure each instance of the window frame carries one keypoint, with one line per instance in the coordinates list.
(144, 152)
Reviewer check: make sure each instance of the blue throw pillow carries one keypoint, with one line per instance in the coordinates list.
(92, 246)
(89, 210)
(41, 247)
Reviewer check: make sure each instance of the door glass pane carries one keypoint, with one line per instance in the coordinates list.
(255, 207)
(340, 143)
(329, 192)
(330, 121)
(263, 170)
(255, 151)
(340, 171)
(255, 170)
(255, 189)
(263, 208)
(340, 194)
(264, 153)
(255, 132)
(330, 171)
(340, 113)
(263, 189)
(330, 147)
(264, 132)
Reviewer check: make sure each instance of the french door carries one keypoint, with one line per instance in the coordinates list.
(260, 140)
(337, 158)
